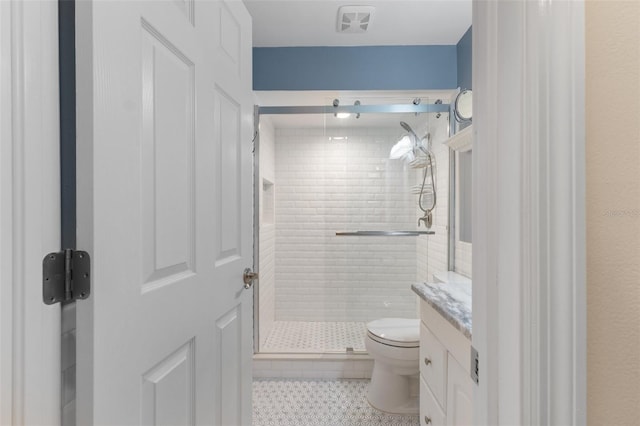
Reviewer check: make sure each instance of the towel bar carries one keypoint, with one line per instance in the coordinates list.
(382, 233)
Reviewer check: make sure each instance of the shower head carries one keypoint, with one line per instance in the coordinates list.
(407, 147)
(409, 129)
(418, 142)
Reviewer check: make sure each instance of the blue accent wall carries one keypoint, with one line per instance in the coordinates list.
(463, 51)
(355, 68)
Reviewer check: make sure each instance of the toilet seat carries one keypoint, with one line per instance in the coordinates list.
(397, 332)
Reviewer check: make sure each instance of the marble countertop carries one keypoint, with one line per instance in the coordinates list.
(452, 300)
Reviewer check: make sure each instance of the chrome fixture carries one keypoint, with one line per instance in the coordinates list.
(409, 129)
(438, 102)
(345, 114)
(382, 233)
(409, 147)
(336, 103)
(372, 109)
(416, 101)
(413, 149)
(427, 218)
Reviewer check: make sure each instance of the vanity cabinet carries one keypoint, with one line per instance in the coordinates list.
(459, 394)
(446, 388)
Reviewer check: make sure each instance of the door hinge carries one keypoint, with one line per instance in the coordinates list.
(66, 276)
(475, 365)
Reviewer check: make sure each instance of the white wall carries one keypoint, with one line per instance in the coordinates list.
(463, 258)
(325, 186)
(613, 212)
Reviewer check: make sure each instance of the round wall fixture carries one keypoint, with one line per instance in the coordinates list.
(463, 107)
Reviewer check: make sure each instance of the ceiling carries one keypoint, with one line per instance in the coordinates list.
(284, 23)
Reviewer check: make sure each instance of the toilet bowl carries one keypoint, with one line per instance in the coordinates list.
(394, 345)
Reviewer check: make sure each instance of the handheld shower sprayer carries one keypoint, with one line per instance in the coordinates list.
(408, 129)
(427, 219)
(417, 142)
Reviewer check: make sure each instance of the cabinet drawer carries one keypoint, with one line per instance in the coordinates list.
(430, 411)
(433, 364)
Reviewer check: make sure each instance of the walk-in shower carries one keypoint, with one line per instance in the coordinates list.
(339, 242)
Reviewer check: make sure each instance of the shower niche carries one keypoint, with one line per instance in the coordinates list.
(321, 281)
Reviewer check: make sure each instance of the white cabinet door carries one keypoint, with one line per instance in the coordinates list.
(433, 364)
(165, 210)
(459, 395)
(431, 414)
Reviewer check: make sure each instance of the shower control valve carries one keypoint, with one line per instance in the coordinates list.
(427, 219)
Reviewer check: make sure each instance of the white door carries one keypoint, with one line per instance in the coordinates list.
(165, 211)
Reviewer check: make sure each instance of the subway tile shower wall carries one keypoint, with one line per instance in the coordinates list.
(433, 250)
(324, 185)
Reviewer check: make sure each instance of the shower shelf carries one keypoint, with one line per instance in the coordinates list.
(461, 141)
(382, 233)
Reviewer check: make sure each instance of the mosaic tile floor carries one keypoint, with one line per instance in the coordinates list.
(280, 402)
(301, 336)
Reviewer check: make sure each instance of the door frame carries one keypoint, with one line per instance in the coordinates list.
(30, 331)
(529, 260)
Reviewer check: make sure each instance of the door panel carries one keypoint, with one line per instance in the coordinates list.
(168, 390)
(167, 164)
(231, 38)
(229, 336)
(165, 209)
(228, 140)
(186, 6)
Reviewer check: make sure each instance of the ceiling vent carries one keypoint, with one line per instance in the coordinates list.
(354, 19)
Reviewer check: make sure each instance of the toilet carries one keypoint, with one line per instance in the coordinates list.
(394, 345)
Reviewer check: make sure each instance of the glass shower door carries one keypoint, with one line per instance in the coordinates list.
(323, 177)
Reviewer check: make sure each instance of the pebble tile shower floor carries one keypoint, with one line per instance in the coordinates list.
(280, 402)
(302, 336)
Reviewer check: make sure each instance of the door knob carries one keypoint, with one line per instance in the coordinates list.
(248, 276)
